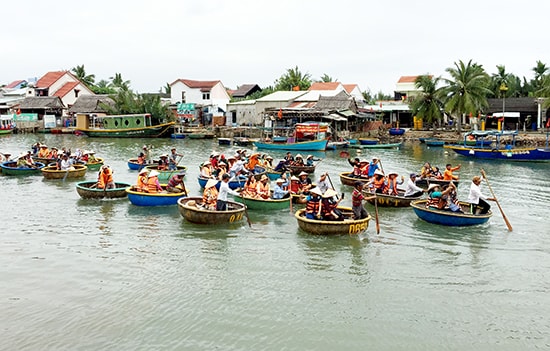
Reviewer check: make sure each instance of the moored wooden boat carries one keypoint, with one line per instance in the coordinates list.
(264, 204)
(122, 126)
(315, 145)
(348, 226)
(10, 168)
(166, 174)
(333, 145)
(295, 170)
(190, 209)
(449, 218)
(224, 141)
(385, 200)
(77, 171)
(87, 190)
(163, 198)
(134, 165)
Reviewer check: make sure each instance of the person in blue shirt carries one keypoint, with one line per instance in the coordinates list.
(278, 189)
(373, 166)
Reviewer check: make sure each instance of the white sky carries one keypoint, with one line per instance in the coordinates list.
(369, 43)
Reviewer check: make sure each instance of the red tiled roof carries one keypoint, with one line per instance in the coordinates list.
(349, 87)
(49, 78)
(324, 86)
(204, 85)
(14, 84)
(65, 89)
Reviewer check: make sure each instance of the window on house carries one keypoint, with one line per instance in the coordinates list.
(76, 91)
(183, 97)
(206, 96)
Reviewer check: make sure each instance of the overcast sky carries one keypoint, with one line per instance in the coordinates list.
(369, 43)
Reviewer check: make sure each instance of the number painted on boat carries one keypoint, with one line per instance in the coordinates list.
(236, 217)
(357, 228)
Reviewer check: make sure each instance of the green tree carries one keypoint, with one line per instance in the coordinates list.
(325, 78)
(167, 89)
(544, 90)
(540, 71)
(127, 102)
(466, 91)
(503, 79)
(102, 87)
(428, 105)
(80, 73)
(293, 78)
(118, 82)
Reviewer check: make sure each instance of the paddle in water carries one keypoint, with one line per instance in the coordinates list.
(496, 200)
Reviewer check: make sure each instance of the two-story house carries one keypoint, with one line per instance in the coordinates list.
(62, 84)
(210, 94)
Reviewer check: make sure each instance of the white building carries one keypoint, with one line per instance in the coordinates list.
(205, 93)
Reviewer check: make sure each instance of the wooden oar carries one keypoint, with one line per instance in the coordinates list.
(376, 214)
(246, 211)
(496, 200)
(289, 193)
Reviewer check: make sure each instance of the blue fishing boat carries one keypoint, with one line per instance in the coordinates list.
(449, 218)
(134, 165)
(139, 198)
(505, 149)
(434, 142)
(315, 145)
(308, 136)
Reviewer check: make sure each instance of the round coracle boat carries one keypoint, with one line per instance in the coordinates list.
(449, 218)
(164, 198)
(191, 209)
(76, 171)
(88, 190)
(261, 204)
(348, 226)
(95, 165)
(165, 174)
(386, 200)
(10, 169)
(346, 179)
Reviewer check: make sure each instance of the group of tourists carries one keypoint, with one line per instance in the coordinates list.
(431, 172)
(290, 161)
(214, 199)
(165, 162)
(373, 177)
(237, 166)
(148, 182)
(323, 205)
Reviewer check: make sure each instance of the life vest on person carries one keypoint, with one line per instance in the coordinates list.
(312, 206)
(210, 197)
(43, 152)
(250, 189)
(206, 171)
(327, 208)
(435, 202)
(142, 182)
(252, 163)
(378, 183)
(390, 187)
(365, 171)
(262, 189)
(105, 177)
(53, 154)
(357, 170)
(152, 184)
(448, 174)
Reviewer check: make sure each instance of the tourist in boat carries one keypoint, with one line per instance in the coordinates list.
(295, 185)
(35, 148)
(90, 156)
(25, 161)
(356, 164)
(278, 189)
(43, 152)
(357, 197)
(364, 167)
(329, 204)
(252, 162)
(153, 185)
(215, 160)
(305, 183)
(142, 180)
(313, 204)
(448, 173)
(323, 183)
(163, 163)
(262, 188)
(237, 168)
(476, 199)
(453, 204)
(298, 161)
(390, 187)
(374, 166)
(173, 159)
(146, 154)
(377, 183)
(210, 195)
(268, 162)
(436, 197)
(288, 159)
(65, 164)
(175, 184)
(220, 171)
(141, 160)
(426, 171)
(105, 178)
(310, 160)
(437, 173)
(206, 170)
(413, 190)
(221, 203)
(249, 189)
(53, 154)
(281, 166)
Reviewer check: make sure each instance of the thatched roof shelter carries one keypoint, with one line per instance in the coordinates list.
(91, 104)
(340, 102)
(41, 102)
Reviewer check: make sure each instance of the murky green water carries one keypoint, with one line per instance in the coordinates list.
(106, 275)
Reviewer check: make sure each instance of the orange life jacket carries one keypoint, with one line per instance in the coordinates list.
(210, 197)
(378, 182)
(312, 206)
(142, 182)
(390, 187)
(152, 185)
(104, 178)
(263, 189)
(365, 170)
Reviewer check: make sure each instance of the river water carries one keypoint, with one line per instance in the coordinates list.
(106, 275)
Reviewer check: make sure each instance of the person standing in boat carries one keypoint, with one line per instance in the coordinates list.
(323, 183)
(413, 190)
(146, 154)
(478, 201)
(172, 159)
(374, 166)
(221, 203)
(357, 198)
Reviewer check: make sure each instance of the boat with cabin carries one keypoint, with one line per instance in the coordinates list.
(122, 126)
(307, 136)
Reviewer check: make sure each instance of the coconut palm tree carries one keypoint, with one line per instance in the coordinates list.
(293, 79)
(118, 82)
(501, 80)
(466, 91)
(540, 71)
(428, 104)
(80, 73)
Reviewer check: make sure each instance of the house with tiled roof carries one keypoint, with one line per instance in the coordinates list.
(406, 88)
(17, 84)
(210, 93)
(62, 84)
(351, 89)
(245, 91)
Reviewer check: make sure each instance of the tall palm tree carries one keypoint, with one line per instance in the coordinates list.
(118, 82)
(466, 91)
(428, 104)
(503, 84)
(293, 79)
(540, 71)
(80, 73)
(325, 78)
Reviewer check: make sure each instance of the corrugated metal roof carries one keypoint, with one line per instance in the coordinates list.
(282, 96)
